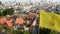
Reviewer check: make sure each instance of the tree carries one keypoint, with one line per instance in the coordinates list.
(8, 11)
(1, 12)
(17, 32)
(1, 28)
(9, 30)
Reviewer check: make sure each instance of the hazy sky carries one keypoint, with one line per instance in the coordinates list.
(26, 0)
(20, 0)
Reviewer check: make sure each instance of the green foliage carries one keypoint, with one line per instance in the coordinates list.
(52, 32)
(46, 31)
(26, 24)
(17, 32)
(1, 28)
(9, 11)
(9, 29)
(26, 32)
(1, 12)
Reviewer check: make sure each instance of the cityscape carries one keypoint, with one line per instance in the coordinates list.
(29, 16)
(19, 17)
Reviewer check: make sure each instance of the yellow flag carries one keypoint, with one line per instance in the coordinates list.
(49, 20)
(57, 22)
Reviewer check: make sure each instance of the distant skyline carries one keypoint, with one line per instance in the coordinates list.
(20, 0)
(26, 0)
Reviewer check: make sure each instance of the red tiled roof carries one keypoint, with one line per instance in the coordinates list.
(31, 16)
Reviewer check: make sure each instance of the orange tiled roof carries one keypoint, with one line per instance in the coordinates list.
(9, 22)
(2, 20)
(20, 20)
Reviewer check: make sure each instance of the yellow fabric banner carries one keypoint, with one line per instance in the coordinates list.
(49, 20)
